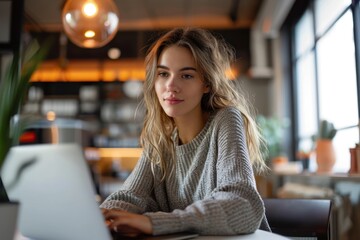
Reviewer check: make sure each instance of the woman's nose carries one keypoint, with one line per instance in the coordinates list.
(172, 84)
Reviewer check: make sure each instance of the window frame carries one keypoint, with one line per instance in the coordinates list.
(288, 32)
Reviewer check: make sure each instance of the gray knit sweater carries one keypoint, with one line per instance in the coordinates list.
(212, 190)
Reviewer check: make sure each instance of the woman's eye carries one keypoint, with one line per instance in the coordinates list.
(163, 74)
(187, 76)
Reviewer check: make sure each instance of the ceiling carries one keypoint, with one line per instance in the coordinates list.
(45, 15)
(246, 21)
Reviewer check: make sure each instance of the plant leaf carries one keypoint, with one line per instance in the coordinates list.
(13, 87)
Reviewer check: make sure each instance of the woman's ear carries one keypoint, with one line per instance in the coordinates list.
(206, 88)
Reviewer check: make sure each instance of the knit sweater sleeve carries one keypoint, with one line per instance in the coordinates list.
(234, 206)
(135, 194)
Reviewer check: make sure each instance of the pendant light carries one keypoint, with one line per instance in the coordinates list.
(90, 23)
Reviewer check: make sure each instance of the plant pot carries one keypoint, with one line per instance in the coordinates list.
(325, 156)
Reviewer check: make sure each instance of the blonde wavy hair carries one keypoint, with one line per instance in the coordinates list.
(213, 57)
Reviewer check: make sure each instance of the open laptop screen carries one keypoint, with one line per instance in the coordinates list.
(53, 185)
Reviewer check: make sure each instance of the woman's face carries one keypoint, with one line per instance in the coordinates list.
(179, 85)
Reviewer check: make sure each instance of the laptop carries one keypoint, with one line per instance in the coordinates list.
(53, 184)
(55, 191)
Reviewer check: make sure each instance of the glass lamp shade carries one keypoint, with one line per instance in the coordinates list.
(90, 23)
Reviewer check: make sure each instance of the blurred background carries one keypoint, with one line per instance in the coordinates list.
(298, 62)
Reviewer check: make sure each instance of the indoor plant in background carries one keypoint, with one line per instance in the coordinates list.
(272, 129)
(324, 148)
(13, 87)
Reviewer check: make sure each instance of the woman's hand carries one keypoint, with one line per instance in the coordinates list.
(126, 223)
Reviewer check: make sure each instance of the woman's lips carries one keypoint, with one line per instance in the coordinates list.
(173, 101)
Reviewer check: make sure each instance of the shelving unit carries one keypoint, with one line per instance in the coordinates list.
(109, 107)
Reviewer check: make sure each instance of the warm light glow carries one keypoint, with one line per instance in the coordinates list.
(114, 53)
(51, 116)
(108, 75)
(126, 157)
(89, 34)
(124, 75)
(98, 70)
(94, 70)
(90, 9)
(101, 16)
(120, 152)
(232, 73)
(90, 70)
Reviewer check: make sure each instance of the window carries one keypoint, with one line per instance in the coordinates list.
(325, 76)
(326, 13)
(305, 81)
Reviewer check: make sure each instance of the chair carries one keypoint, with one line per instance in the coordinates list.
(305, 218)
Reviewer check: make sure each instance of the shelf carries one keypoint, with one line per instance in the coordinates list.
(108, 106)
(90, 71)
(332, 176)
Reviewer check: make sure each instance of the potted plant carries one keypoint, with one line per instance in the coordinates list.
(272, 129)
(13, 87)
(324, 149)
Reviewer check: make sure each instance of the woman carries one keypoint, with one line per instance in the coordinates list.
(199, 146)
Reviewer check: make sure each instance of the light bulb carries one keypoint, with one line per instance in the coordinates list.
(90, 9)
(90, 23)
